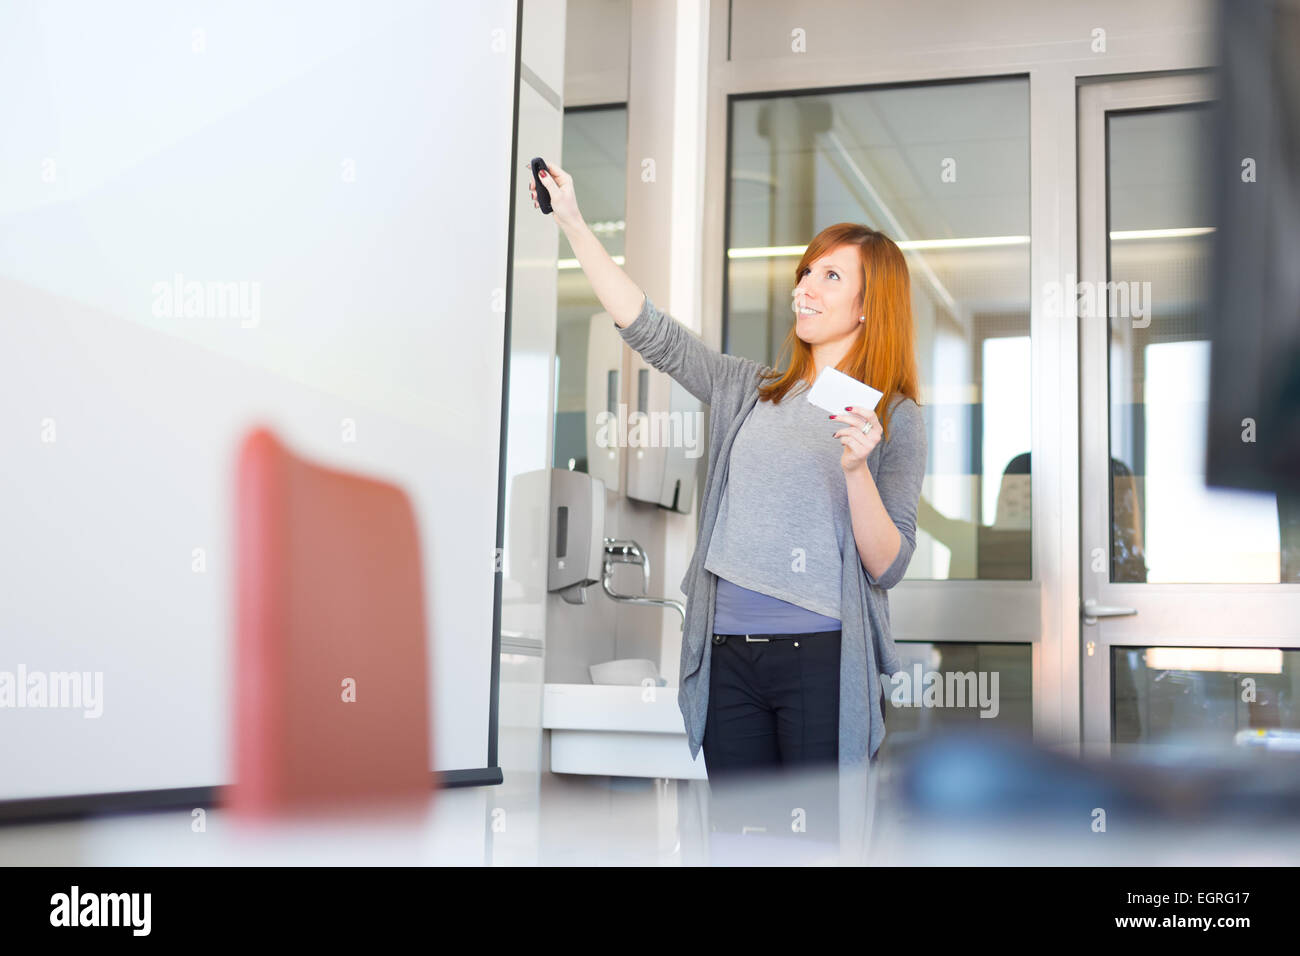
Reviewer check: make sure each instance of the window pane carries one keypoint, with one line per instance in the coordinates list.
(1205, 695)
(1167, 525)
(943, 170)
(1000, 674)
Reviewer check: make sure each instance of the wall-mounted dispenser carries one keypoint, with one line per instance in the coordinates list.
(663, 456)
(605, 350)
(661, 434)
(576, 545)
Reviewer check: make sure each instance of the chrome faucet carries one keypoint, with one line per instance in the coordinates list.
(627, 551)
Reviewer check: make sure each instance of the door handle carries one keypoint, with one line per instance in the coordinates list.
(1091, 610)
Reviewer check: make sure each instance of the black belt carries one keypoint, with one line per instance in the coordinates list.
(752, 638)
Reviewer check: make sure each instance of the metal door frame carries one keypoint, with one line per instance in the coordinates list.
(1190, 615)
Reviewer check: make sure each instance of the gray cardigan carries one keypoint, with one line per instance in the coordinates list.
(728, 384)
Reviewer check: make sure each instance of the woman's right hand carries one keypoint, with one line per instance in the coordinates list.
(564, 201)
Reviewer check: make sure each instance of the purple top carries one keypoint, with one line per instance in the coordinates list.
(742, 611)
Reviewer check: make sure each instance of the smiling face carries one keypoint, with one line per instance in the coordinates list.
(827, 301)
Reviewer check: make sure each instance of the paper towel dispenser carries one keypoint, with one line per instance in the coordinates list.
(662, 457)
(661, 434)
(605, 350)
(576, 545)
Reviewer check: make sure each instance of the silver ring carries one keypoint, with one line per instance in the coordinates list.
(866, 428)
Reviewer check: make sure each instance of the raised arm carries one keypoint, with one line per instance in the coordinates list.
(615, 289)
(664, 342)
(674, 349)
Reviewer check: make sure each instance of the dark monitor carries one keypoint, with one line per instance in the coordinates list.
(1255, 298)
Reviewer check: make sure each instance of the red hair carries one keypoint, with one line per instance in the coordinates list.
(886, 357)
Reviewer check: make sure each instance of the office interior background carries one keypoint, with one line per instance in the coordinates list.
(356, 170)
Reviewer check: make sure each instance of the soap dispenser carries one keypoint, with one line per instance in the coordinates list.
(576, 543)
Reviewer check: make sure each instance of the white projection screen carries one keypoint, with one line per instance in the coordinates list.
(323, 160)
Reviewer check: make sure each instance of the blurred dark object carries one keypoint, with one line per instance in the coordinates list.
(1255, 314)
(968, 776)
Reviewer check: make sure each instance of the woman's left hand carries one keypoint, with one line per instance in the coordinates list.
(857, 446)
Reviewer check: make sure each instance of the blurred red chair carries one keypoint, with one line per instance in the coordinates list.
(331, 675)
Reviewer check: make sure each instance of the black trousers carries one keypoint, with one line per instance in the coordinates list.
(772, 703)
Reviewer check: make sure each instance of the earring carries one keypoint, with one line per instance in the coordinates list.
(862, 318)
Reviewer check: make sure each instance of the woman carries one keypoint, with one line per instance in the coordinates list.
(802, 532)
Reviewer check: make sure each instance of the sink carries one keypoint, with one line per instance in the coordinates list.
(618, 731)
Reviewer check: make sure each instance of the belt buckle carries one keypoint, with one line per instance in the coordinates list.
(750, 639)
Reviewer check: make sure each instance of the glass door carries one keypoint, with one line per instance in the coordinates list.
(1190, 594)
(943, 169)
